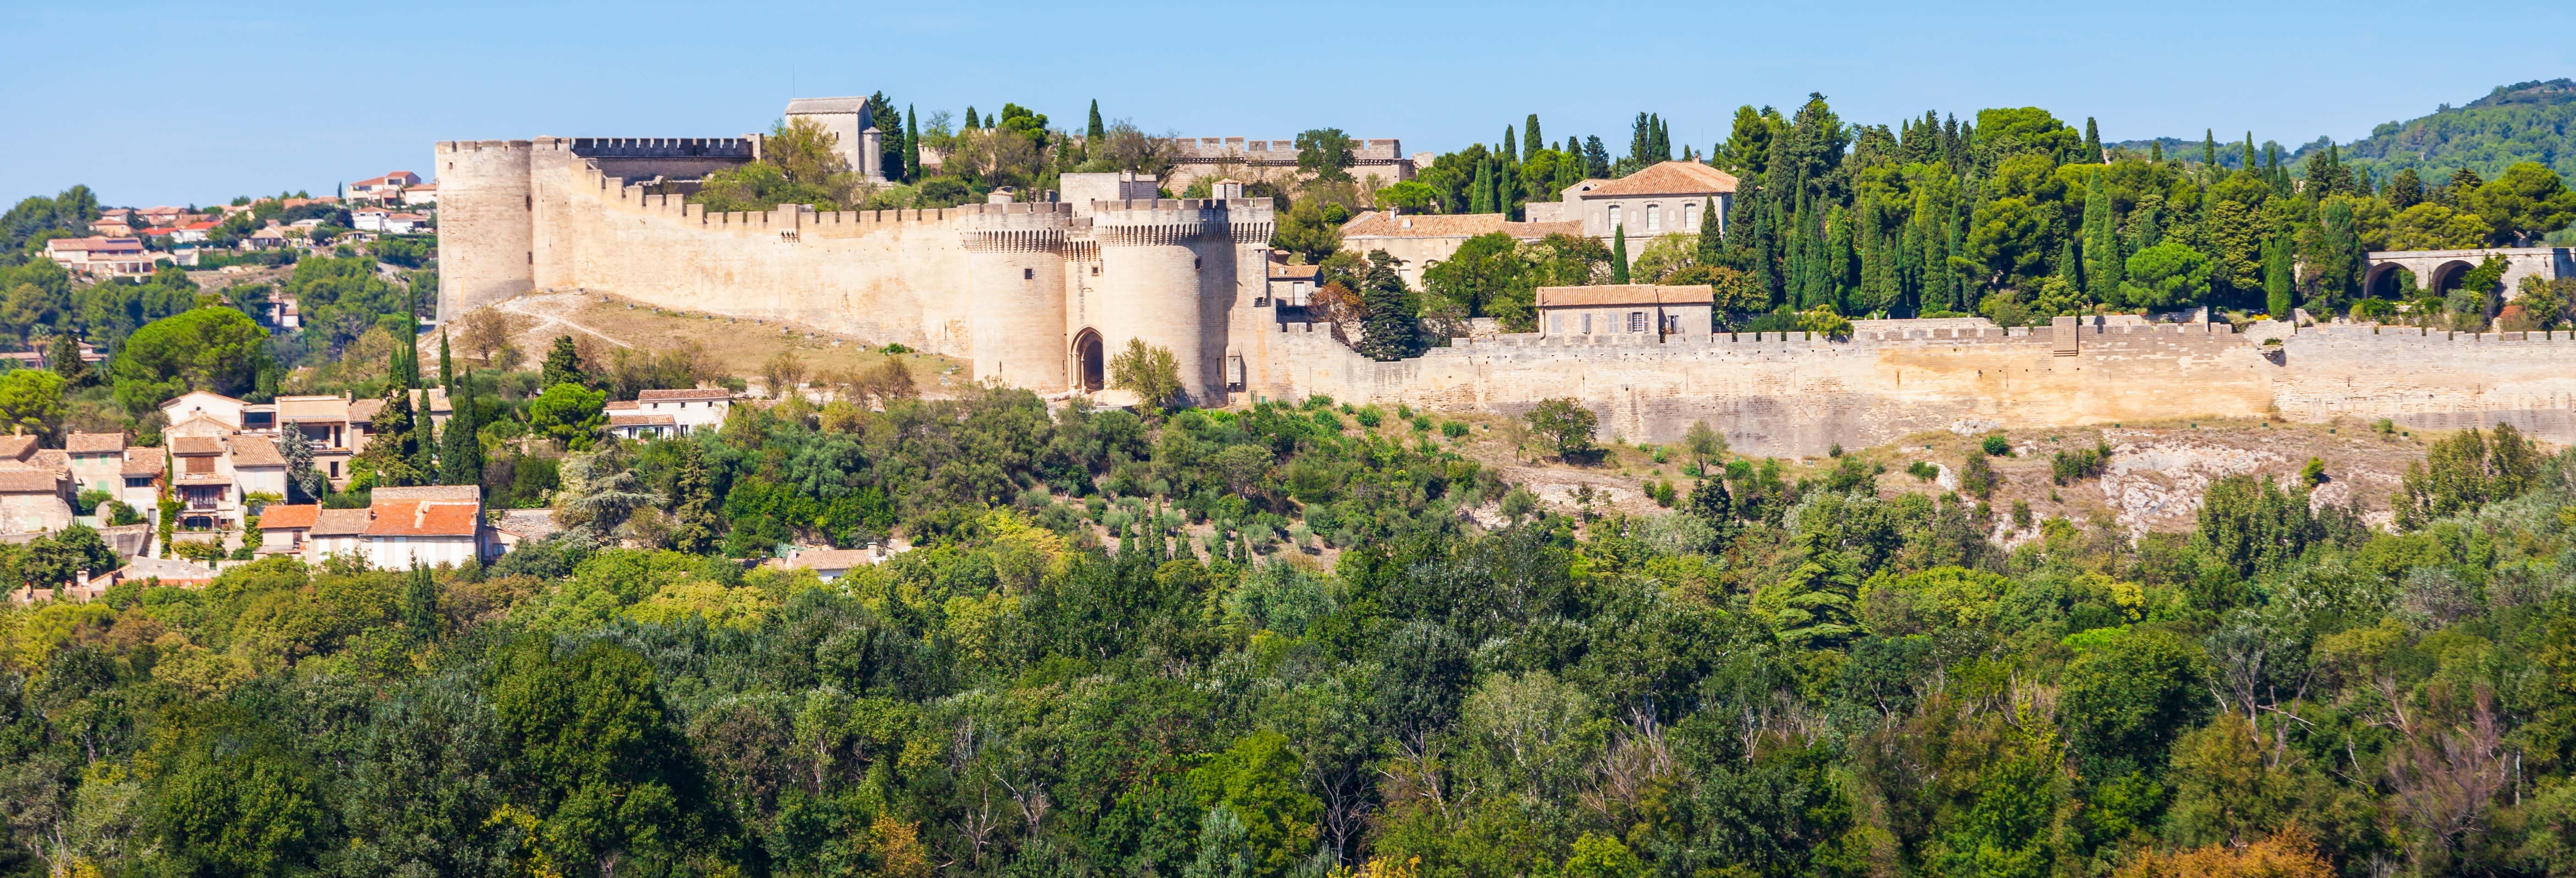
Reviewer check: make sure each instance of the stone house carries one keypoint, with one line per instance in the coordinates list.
(140, 477)
(689, 409)
(1625, 309)
(97, 461)
(1419, 241)
(287, 529)
(336, 532)
(1667, 198)
(34, 500)
(204, 482)
(428, 526)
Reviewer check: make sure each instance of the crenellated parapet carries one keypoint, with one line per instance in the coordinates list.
(1035, 227)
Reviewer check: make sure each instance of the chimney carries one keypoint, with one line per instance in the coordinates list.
(82, 580)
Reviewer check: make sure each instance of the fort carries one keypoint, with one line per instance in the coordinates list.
(1038, 292)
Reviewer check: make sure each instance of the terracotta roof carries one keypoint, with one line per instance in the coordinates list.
(829, 559)
(1624, 294)
(340, 522)
(691, 394)
(1464, 225)
(143, 461)
(279, 516)
(94, 443)
(1667, 178)
(424, 519)
(17, 447)
(622, 405)
(643, 421)
(826, 105)
(1295, 272)
(29, 481)
(429, 492)
(54, 458)
(186, 446)
(249, 450)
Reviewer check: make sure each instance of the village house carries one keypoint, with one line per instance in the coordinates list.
(97, 461)
(423, 195)
(387, 189)
(428, 526)
(1420, 241)
(1625, 309)
(142, 471)
(100, 257)
(1667, 198)
(689, 409)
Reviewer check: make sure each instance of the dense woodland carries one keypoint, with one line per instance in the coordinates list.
(1118, 648)
(1318, 639)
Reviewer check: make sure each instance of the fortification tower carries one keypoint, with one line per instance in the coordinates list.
(486, 247)
(1157, 259)
(1015, 281)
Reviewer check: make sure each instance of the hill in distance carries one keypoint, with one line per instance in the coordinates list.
(2523, 122)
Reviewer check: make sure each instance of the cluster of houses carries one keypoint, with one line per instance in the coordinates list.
(128, 241)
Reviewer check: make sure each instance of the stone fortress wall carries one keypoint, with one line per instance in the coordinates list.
(1786, 393)
(1038, 294)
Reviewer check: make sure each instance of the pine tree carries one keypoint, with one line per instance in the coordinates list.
(1530, 140)
(1095, 131)
(694, 526)
(65, 359)
(2405, 190)
(1619, 254)
(971, 124)
(563, 364)
(1596, 157)
(1391, 327)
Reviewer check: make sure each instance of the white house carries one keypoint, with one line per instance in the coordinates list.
(428, 526)
(689, 409)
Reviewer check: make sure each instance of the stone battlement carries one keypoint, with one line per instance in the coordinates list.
(735, 148)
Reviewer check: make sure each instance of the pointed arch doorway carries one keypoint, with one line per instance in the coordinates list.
(1090, 363)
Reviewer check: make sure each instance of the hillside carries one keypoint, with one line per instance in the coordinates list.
(734, 347)
(2523, 122)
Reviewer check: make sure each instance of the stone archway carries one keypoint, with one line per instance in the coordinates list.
(2447, 276)
(1090, 363)
(2382, 281)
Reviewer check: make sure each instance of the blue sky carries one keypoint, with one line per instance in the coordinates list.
(151, 102)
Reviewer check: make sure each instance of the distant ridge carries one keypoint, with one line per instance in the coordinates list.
(2531, 121)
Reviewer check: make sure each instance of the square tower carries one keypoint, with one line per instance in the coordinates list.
(853, 126)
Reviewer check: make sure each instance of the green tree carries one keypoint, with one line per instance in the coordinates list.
(1326, 154)
(2104, 265)
(2166, 275)
(2278, 282)
(563, 364)
(1256, 780)
(2250, 525)
(1566, 425)
(215, 349)
(460, 446)
(32, 400)
(1311, 230)
(1152, 373)
(568, 413)
(2526, 201)
(2465, 471)
(64, 357)
(1487, 277)
(231, 797)
(695, 528)
(1619, 254)
(588, 751)
(1392, 324)
(2126, 701)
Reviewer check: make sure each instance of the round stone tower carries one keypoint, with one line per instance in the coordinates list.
(1159, 261)
(1015, 280)
(486, 232)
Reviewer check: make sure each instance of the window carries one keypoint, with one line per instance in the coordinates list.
(1556, 324)
(1614, 216)
(1690, 216)
(1654, 218)
(1028, 274)
(1587, 323)
(1637, 319)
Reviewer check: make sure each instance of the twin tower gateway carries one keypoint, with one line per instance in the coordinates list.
(1037, 289)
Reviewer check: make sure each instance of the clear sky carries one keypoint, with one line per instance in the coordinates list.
(151, 102)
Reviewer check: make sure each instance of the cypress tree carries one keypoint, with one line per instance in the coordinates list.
(2092, 142)
(1619, 254)
(1480, 194)
(1530, 140)
(911, 144)
(970, 118)
(1511, 149)
(2249, 151)
(1095, 131)
(2209, 150)
(1391, 327)
(2103, 264)
(2156, 151)
(420, 603)
(694, 527)
(446, 372)
(2277, 282)
(460, 448)
(1765, 252)
(1712, 239)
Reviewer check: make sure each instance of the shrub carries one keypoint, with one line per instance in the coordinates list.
(1369, 417)
(2080, 463)
(1996, 446)
(1453, 429)
(1979, 477)
(1923, 469)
